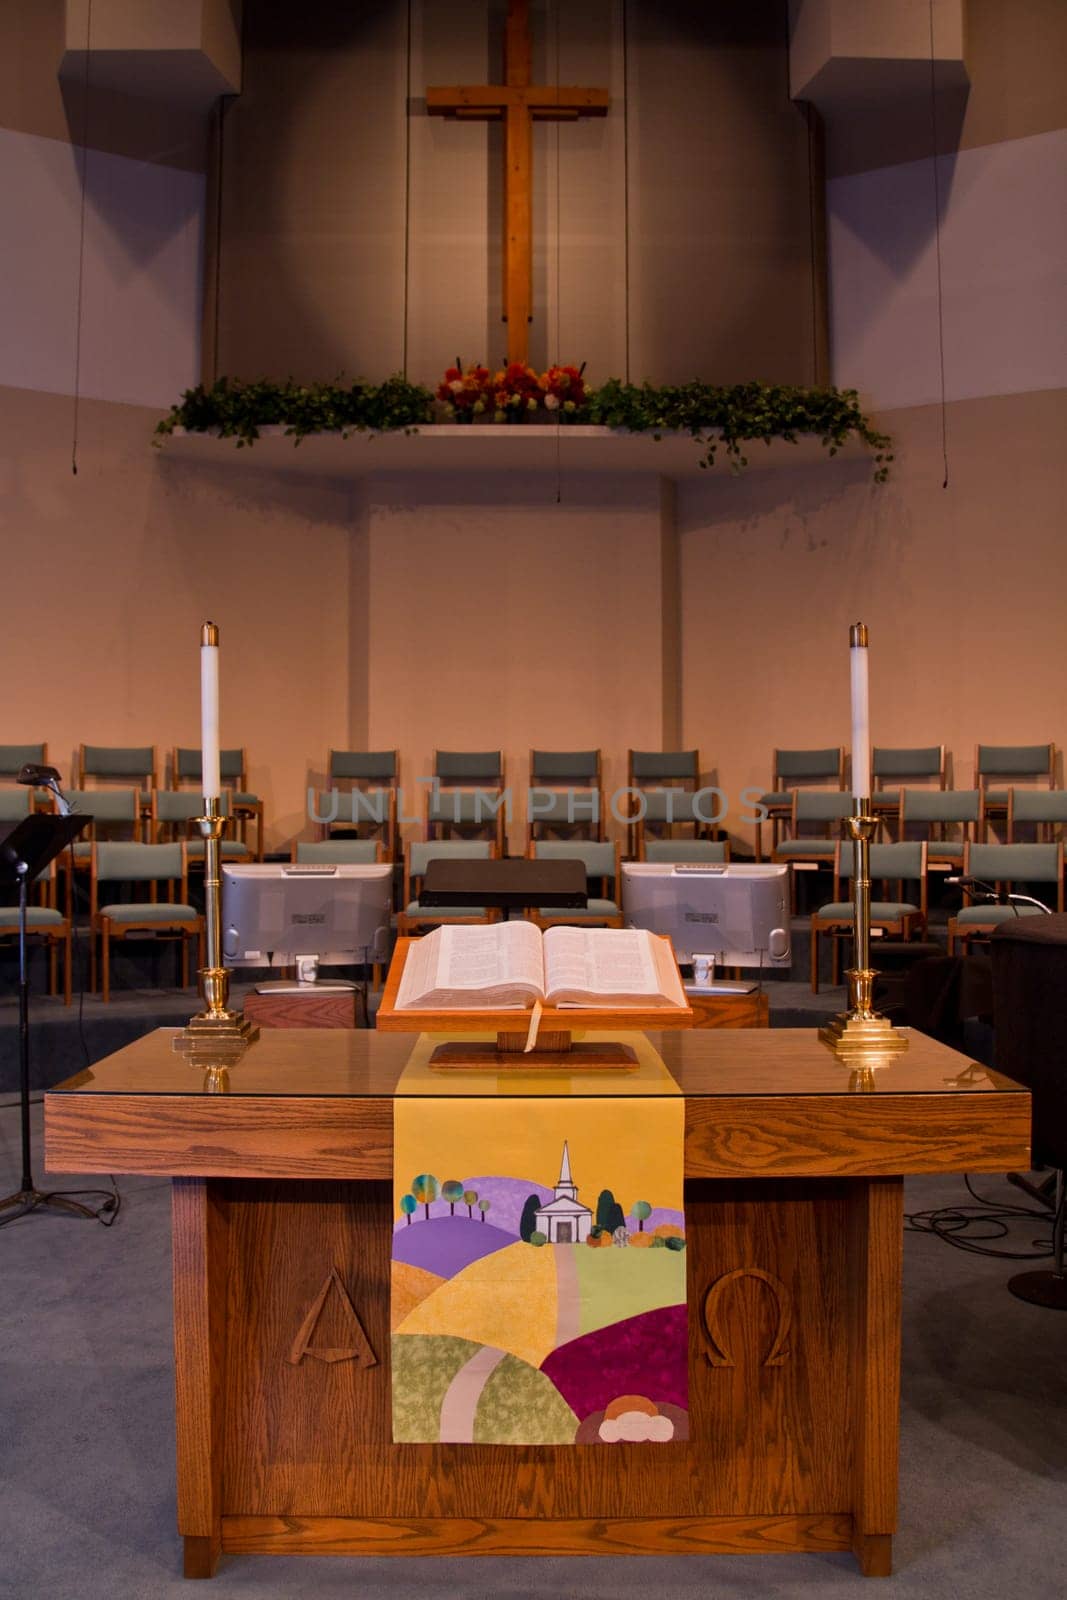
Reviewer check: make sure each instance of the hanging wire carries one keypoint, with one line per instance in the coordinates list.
(407, 199)
(626, 187)
(559, 252)
(81, 244)
(973, 1228)
(937, 245)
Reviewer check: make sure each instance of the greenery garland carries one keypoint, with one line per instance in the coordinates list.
(733, 417)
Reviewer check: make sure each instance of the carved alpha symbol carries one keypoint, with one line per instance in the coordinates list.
(356, 1349)
(719, 1355)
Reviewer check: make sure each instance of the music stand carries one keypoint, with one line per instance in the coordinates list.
(26, 849)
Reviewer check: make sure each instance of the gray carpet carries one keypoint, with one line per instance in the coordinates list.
(86, 1442)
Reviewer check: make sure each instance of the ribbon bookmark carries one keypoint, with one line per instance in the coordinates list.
(531, 1032)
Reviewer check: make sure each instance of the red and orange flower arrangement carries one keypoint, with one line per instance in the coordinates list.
(515, 393)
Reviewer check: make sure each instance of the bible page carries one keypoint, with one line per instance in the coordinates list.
(594, 965)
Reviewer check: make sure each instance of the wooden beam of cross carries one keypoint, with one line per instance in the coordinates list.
(519, 103)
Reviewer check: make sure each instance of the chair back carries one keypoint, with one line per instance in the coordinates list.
(1015, 863)
(889, 764)
(362, 766)
(654, 766)
(809, 766)
(13, 757)
(960, 806)
(139, 863)
(1014, 761)
(15, 802)
(905, 861)
(422, 851)
(469, 766)
(1036, 806)
(107, 806)
(565, 766)
(182, 805)
(187, 766)
(336, 852)
(820, 806)
(684, 850)
(599, 856)
(112, 762)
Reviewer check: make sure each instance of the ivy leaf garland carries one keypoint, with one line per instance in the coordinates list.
(734, 417)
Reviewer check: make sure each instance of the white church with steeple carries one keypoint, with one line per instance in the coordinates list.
(564, 1220)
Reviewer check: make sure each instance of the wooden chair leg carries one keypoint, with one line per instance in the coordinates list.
(66, 965)
(814, 956)
(835, 959)
(184, 942)
(92, 958)
(105, 957)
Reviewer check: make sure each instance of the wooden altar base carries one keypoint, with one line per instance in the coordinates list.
(282, 1227)
(793, 1389)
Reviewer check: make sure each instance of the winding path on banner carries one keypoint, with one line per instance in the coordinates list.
(460, 1404)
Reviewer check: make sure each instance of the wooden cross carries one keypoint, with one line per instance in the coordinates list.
(518, 102)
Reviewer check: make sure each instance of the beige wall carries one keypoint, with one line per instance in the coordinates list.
(315, 161)
(961, 588)
(499, 618)
(108, 576)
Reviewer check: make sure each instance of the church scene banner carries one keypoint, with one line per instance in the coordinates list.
(538, 1265)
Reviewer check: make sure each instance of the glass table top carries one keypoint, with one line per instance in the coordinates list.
(360, 1064)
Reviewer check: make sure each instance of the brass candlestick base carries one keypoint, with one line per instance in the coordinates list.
(860, 1037)
(216, 1031)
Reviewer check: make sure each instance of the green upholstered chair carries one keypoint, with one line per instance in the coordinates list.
(792, 770)
(13, 757)
(1026, 866)
(116, 815)
(601, 860)
(150, 865)
(899, 863)
(16, 801)
(187, 771)
(416, 917)
(997, 767)
(666, 780)
(684, 851)
(453, 807)
(565, 794)
(43, 922)
(121, 764)
(1044, 810)
(173, 816)
(362, 796)
(336, 852)
(946, 818)
(893, 767)
(815, 818)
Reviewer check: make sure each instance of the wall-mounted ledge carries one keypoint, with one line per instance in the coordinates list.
(484, 448)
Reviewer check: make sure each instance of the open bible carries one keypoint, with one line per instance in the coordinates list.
(514, 964)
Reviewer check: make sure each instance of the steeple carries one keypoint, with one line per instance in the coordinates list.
(565, 1188)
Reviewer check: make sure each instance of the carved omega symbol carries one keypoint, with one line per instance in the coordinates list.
(719, 1355)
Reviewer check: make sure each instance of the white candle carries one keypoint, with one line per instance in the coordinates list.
(861, 713)
(209, 712)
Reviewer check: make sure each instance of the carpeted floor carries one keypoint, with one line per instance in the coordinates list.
(86, 1438)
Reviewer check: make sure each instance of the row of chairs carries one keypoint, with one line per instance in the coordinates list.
(154, 866)
(997, 769)
(120, 785)
(1002, 866)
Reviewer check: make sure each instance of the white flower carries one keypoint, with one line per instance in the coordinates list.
(551, 402)
(456, 386)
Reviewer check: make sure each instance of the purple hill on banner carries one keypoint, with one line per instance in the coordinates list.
(446, 1245)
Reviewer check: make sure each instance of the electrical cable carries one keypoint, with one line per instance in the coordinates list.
(953, 1225)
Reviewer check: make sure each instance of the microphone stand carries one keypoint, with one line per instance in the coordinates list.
(28, 1197)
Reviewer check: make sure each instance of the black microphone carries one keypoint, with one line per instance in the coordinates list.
(1003, 897)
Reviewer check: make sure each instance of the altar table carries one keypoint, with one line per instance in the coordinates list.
(282, 1187)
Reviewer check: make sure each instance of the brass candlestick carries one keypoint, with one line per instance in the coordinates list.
(860, 1037)
(216, 1026)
